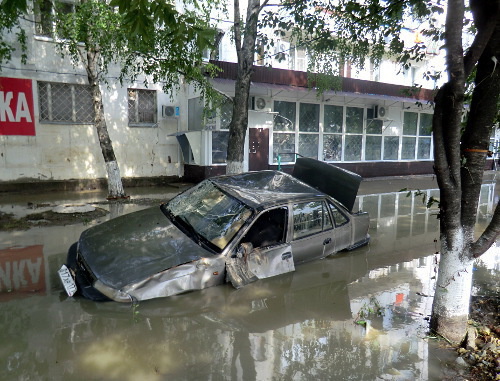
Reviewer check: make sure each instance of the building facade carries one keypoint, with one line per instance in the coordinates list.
(376, 124)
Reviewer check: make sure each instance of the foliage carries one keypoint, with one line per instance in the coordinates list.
(429, 202)
(144, 38)
(370, 309)
(10, 13)
(94, 27)
(166, 44)
(348, 30)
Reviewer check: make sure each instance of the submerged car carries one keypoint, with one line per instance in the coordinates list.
(236, 229)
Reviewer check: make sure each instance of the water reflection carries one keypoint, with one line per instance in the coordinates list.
(299, 326)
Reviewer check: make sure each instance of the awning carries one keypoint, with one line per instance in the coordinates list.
(190, 142)
(226, 86)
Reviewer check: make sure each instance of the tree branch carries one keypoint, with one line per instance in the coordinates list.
(489, 236)
(237, 28)
(264, 4)
(486, 26)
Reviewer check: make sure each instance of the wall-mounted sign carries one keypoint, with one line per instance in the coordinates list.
(16, 107)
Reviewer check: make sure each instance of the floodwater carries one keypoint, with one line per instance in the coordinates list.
(298, 326)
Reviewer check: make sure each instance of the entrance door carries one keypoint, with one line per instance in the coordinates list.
(258, 149)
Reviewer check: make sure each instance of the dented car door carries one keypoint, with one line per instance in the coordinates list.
(263, 251)
(259, 264)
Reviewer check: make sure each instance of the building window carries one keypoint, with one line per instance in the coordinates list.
(220, 137)
(391, 147)
(373, 143)
(298, 58)
(354, 133)
(373, 148)
(308, 129)
(347, 133)
(195, 114)
(142, 111)
(65, 103)
(226, 114)
(45, 11)
(333, 122)
(219, 146)
(417, 131)
(284, 131)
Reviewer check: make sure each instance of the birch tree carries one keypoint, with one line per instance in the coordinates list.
(169, 47)
(352, 30)
(245, 37)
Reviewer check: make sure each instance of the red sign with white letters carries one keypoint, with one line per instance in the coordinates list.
(16, 107)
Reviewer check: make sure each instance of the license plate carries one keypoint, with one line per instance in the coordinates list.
(67, 280)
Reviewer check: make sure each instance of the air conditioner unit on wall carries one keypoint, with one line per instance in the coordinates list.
(379, 112)
(260, 104)
(170, 111)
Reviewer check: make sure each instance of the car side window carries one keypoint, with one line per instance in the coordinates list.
(269, 229)
(310, 218)
(339, 218)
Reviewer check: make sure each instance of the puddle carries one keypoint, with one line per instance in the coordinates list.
(358, 315)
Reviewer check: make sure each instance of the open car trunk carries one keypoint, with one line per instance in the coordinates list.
(336, 182)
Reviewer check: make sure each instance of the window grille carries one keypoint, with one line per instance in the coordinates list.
(226, 114)
(141, 108)
(391, 147)
(219, 146)
(65, 103)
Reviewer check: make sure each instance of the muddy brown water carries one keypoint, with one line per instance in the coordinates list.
(298, 326)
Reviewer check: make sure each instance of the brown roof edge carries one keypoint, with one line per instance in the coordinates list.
(274, 76)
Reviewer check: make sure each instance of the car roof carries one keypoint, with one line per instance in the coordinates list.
(266, 188)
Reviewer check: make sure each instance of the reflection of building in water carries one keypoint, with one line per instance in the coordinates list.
(405, 214)
(395, 309)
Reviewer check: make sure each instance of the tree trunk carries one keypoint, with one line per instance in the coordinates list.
(460, 160)
(450, 309)
(245, 49)
(115, 186)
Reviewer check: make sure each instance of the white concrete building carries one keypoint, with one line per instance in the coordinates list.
(371, 125)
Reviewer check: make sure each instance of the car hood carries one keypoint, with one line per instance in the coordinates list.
(136, 246)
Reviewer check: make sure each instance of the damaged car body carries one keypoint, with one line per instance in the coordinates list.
(236, 229)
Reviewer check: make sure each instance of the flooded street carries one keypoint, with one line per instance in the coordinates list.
(359, 315)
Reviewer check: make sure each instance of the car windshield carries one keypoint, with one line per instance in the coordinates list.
(209, 214)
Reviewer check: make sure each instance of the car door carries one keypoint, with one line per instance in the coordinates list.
(343, 227)
(312, 231)
(263, 251)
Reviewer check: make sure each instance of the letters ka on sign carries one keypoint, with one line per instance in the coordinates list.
(16, 107)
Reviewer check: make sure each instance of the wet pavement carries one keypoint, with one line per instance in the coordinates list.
(359, 315)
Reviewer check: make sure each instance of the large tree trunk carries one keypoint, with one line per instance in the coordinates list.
(115, 186)
(460, 160)
(245, 49)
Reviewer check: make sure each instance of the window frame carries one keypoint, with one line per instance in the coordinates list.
(222, 122)
(417, 138)
(137, 104)
(41, 23)
(331, 206)
(325, 213)
(335, 144)
(73, 87)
